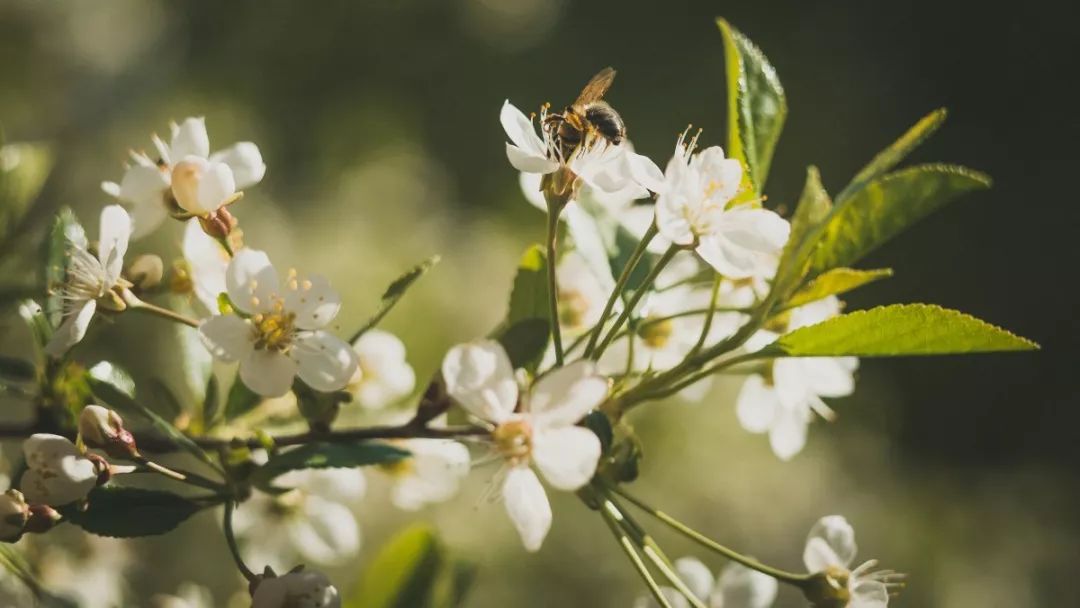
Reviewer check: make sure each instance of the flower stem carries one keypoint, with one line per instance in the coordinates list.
(230, 539)
(798, 580)
(635, 299)
(134, 303)
(708, 315)
(553, 287)
(620, 285)
(179, 475)
(631, 552)
(651, 550)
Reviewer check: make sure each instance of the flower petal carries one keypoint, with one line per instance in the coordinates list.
(741, 587)
(869, 594)
(696, 575)
(530, 187)
(267, 372)
(326, 532)
(227, 337)
(72, 330)
(787, 434)
(756, 405)
(189, 138)
(324, 361)
(831, 542)
(644, 171)
(527, 505)
(564, 396)
(246, 163)
(314, 302)
(529, 162)
(519, 128)
(480, 377)
(830, 376)
(566, 456)
(251, 281)
(115, 232)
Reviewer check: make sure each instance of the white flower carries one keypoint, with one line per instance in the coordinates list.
(90, 277)
(299, 589)
(185, 173)
(783, 405)
(283, 337)
(692, 209)
(599, 164)
(830, 550)
(736, 587)
(383, 375)
(582, 295)
(480, 377)
(431, 474)
(57, 472)
(313, 521)
(207, 263)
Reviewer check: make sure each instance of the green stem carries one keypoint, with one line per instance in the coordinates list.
(631, 552)
(651, 551)
(620, 286)
(134, 303)
(230, 539)
(635, 299)
(553, 287)
(798, 580)
(679, 385)
(708, 315)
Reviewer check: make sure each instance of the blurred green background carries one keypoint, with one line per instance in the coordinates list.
(378, 121)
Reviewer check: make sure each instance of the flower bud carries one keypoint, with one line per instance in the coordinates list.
(103, 429)
(218, 224)
(200, 186)
(42, 519)
(146, 271)
(14, 513)
(298, 587)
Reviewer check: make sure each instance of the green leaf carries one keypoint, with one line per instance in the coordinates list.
(887, 206)
(13, 369)
(121, 512)
(330, 455)
(835, 282)
(810, 215)
(114, 376)
(897, 330)
(115, 398)
(160, 393)
(896, 152)
(757, 107)
(394, 293)
(23, 169)
(34, 317)
(412, 570)
(240, 400)
(529, 296)
(66, 231)
(525, 342)
(211, 403)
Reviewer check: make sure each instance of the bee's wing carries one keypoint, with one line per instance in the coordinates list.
(597, 86)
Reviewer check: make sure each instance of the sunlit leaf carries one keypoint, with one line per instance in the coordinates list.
(896, 152)
(114, 376)
(836, 282)
(66, 230)
(412, 570)
(240, 400)
(525, 342)
(886, 206)
(896, 330)
(321, 455)
(394, 293)
(23, 169)
(806, 225)
(121, 512)
(529, 296)
(756, 104)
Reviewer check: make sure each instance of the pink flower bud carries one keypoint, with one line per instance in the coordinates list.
(103, 429)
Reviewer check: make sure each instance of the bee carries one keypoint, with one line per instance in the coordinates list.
(588, 118)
